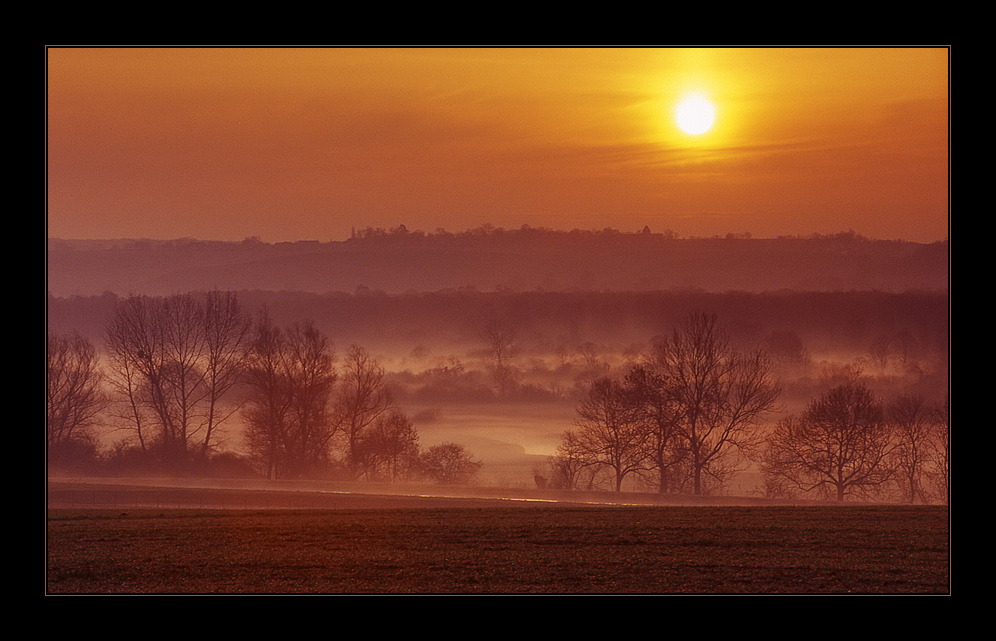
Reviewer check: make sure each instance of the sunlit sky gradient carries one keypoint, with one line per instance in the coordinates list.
(308, 143)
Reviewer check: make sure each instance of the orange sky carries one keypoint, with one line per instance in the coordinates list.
(306, 143)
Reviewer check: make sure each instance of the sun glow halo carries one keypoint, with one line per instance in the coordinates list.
(695, 115)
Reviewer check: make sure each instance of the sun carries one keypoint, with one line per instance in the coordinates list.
(695, 115)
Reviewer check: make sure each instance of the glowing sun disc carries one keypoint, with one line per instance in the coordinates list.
(695, 115)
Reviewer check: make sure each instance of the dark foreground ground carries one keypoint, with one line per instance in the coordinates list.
(348, 544)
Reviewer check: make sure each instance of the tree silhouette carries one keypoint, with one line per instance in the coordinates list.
(390, 448)
(267, 411)
(608, 432)
(449, 464)
(840, 445)
(659, 415)
(73, 397)
(290, 379)
(499, 339)
(361, 400)
(172, 360)
(939, 449)
(721, 394)
(569, 463)
(227, 335)
(914, 423)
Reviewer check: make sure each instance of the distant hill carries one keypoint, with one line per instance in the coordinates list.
(489, 259)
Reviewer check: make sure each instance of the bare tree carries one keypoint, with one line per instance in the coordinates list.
(155, 345)
(391, 447)
(362, 399)
(570, 463)
(289, 421)
(178, 383)
(608, 432)
(500, 341)
(590, 368)
(313, 382)
(74, 396)
(659, 415)
(227, 333)
(269, 384)
(913, 422)
(840, 445)
(449, 464)
(939, 450)
(172, 361)
(722, 394)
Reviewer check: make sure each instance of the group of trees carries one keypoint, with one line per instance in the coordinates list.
(179, 367)
(848, 442)
(679, 416)
(693, 411)
(684, 417)
(74, 398)
(171, 361)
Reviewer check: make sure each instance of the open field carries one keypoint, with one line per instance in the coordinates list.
(381, 544)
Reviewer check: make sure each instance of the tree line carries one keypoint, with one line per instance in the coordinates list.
(861, 320)
(683, 417)
(523, 260)
(177, 368)
(693, 411)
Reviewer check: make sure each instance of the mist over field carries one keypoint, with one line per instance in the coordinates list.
(581, 305)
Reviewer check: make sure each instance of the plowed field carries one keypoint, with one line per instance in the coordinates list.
(435, 546)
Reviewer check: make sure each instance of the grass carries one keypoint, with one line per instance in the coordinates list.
(491, 548)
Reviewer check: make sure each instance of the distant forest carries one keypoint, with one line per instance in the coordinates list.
(410, 293)
(487, 259)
